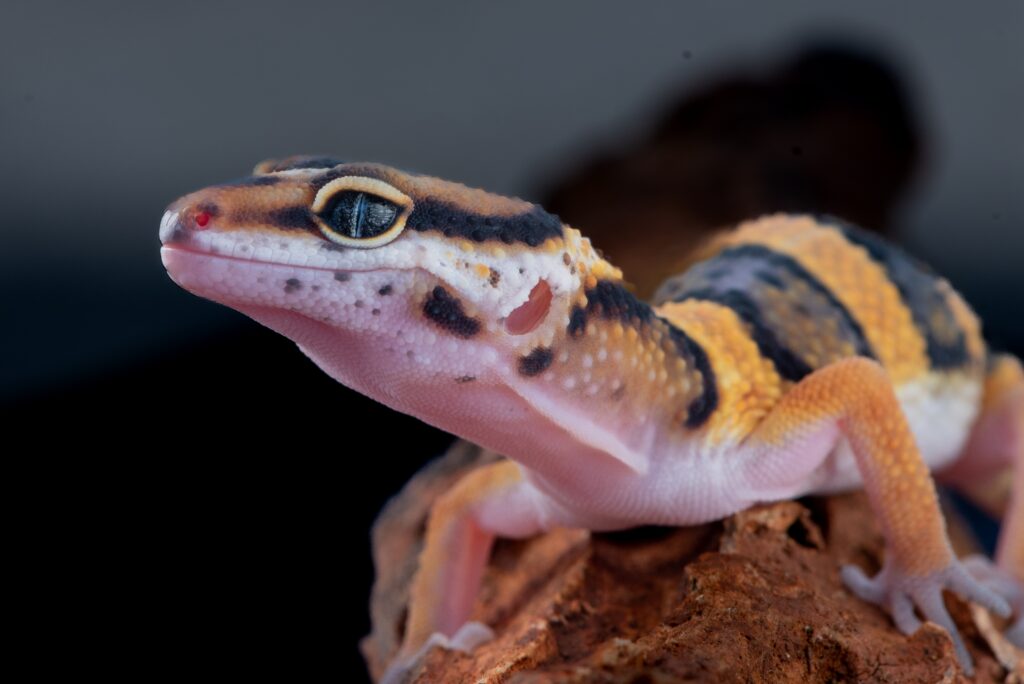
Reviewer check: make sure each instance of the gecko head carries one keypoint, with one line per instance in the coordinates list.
(374, 271)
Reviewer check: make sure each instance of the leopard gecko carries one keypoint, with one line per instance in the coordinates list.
(801, 355)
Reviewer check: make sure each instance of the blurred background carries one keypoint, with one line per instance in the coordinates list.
(206, 492)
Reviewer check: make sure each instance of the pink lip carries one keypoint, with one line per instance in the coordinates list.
(166, 250)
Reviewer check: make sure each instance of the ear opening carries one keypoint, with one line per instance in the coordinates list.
(529, 315)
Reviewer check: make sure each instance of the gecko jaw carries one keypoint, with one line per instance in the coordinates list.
(166, 250)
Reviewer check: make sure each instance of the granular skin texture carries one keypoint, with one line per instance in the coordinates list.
(754, 598)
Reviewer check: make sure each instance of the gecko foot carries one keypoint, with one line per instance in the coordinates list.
(1001, 582)
(468, 637)
(900, 593)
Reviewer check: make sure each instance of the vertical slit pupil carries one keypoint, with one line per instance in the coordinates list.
(360, 215)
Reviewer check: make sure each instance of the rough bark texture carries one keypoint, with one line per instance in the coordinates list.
(754, 598)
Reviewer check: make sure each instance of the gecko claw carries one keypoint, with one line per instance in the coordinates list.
(900, 593)
(1003, 584)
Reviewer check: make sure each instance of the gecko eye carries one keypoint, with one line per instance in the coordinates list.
(358, 215)
(361, 212)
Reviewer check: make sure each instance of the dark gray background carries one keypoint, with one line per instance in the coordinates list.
(111, 110)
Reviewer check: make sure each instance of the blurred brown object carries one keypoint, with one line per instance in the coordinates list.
(831, 132)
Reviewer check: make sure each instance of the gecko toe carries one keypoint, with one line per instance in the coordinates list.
(928, 597)
(1009, 590)
(867, 588)
(902, 609)
(971, 589)
(469, 636)
(907, 596)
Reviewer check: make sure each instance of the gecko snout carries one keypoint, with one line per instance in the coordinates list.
(180, 220)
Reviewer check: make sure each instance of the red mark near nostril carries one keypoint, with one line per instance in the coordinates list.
(529, 315)
(202, 218)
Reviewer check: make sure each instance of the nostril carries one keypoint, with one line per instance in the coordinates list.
(202, 215)
(188, 216)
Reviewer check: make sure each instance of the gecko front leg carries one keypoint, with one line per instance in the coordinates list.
(854, 398)
(493, 500)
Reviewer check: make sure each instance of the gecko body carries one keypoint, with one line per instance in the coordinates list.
(800, 356)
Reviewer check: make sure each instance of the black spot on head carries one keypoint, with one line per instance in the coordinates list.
(375, 312)
(531, 227)
(494, 278)
(463, 379)
(446, 311)
(360, 304)
(292, 218)
(292, 285)
(385, 291)
(342, 277)
(536, 362)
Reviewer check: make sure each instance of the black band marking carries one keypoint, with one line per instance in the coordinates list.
(532, 227)
(789, 365)
(446, 311)
(701, 408)
(757, 283)
(609, 300)
(921, 291)
(795, 269)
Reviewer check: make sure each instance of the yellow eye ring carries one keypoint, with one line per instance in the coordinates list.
(361, 212)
